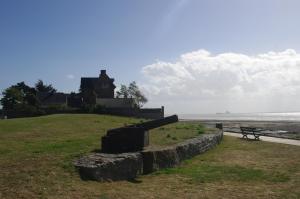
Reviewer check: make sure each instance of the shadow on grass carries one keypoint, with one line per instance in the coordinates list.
(135, 181)
(249, 139)
(96, 151)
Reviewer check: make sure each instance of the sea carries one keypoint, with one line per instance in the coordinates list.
(289, 116)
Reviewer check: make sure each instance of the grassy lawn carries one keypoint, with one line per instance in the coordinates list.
(36, 162)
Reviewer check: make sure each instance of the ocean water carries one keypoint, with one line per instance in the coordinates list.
(292, 116)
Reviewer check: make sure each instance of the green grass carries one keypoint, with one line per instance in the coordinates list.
(70, 134)
(175, 133)
(36, 157)
(63, 136)
(206, 173)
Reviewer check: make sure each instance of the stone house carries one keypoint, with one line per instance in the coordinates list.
(99, 91)
(92, 88)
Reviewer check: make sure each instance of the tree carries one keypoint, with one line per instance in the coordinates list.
(123, 92)
(41, 87)
(132, 91)
(11, 97)
(135, 93)
(19, 94)
(28, 94)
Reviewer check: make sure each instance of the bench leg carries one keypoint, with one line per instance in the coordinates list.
(245, 136)
(256, 137)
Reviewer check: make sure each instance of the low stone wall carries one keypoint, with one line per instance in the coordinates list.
(154, 160)
(109, 167)
(106, 167)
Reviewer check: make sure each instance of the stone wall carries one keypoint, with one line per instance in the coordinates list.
(151, 113)
(107, 167)
(154, 160)
(115, 102)
(147, 113)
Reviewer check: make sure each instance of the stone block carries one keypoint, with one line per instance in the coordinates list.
(154, 160)
(109, 167)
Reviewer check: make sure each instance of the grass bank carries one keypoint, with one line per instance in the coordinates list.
(36, 156)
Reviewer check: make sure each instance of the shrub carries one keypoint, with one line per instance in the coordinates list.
(54, 109)
(98, 109)
(87, 108)
(200, 129)
(23, 110)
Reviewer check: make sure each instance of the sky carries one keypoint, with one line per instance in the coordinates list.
(192, 56)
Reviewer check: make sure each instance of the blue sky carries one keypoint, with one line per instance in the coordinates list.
(60, 41)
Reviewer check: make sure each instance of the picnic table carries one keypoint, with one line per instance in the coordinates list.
(256, 132)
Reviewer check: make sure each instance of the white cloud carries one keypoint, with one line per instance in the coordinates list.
(202, 82)
(70, 76)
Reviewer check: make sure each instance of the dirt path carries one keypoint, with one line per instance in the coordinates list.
(269, 139)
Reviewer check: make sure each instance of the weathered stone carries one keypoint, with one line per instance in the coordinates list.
(107, 167)
(155, 159)
(197, 145)
(124, 166)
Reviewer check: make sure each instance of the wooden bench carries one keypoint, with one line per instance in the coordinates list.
(251, 131)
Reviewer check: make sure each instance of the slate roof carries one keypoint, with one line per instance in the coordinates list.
(90, 82)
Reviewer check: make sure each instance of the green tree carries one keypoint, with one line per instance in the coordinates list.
(123, 92)
(41, 87)
(132, 91)
(28, 94)
(11, 97)
(135, 93)
(19, 94)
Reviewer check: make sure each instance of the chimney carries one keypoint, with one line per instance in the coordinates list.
(103, 72)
